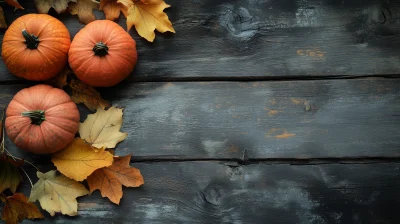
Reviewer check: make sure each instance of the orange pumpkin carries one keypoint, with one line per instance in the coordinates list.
(42, 119)
(102, 54)
(35, 47)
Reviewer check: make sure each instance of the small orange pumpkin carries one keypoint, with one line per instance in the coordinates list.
(102, 54)
(35, 47)
(42, 119)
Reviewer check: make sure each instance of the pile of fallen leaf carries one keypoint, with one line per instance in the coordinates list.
(88, 158)
(145, 15)
(88, 161)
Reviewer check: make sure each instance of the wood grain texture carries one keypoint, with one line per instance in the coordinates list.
(257, 120)
(263, 39)
(214, 192)
(245, 120)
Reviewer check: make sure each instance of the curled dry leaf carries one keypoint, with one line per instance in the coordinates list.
(18, 208)
(3, 23)
(84, 10)
(147, 16)
(83, 93)
(43, 6)
(101, 129)
(78, 160)
(10, 177)
(109, 180)
(14, 3)
(57, 193)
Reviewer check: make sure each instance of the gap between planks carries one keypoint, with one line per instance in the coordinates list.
(271, 161)
(233, 79)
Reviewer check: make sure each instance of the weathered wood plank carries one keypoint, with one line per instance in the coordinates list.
(258, 120)
(212, 192)
(254, 38)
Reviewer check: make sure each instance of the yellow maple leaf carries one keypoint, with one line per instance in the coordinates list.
(84, 10)
(78, 160)
(18, 208)
(147, 16)
(83, 93)
(109, 180)
(57, 193)
(125, 3)
(101, 129)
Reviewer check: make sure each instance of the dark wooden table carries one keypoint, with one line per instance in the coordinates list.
(279, 111)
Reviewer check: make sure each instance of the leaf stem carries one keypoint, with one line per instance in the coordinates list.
(14, 157)
(30, 181)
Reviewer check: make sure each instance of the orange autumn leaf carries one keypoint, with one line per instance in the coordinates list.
(79, 159)
(84, 10)
(109, 180)
(147, 16)
(18, 208)
(82, 93)
(14, 3)
(111, 8)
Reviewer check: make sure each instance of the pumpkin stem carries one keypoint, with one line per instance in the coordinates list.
(36, 116)
(31, 41)
(100, 49)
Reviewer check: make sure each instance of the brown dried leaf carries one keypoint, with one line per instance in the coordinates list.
(83, 93)
(43, 6)
(151, 1)
(111, 8)
(10, 177)
(18, 208)
(84, 10)
(109, 180)
(3, 23)
(1, 130)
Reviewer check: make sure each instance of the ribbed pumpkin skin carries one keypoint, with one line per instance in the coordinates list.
(48, 59)
(107, 70)
(55, 133)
